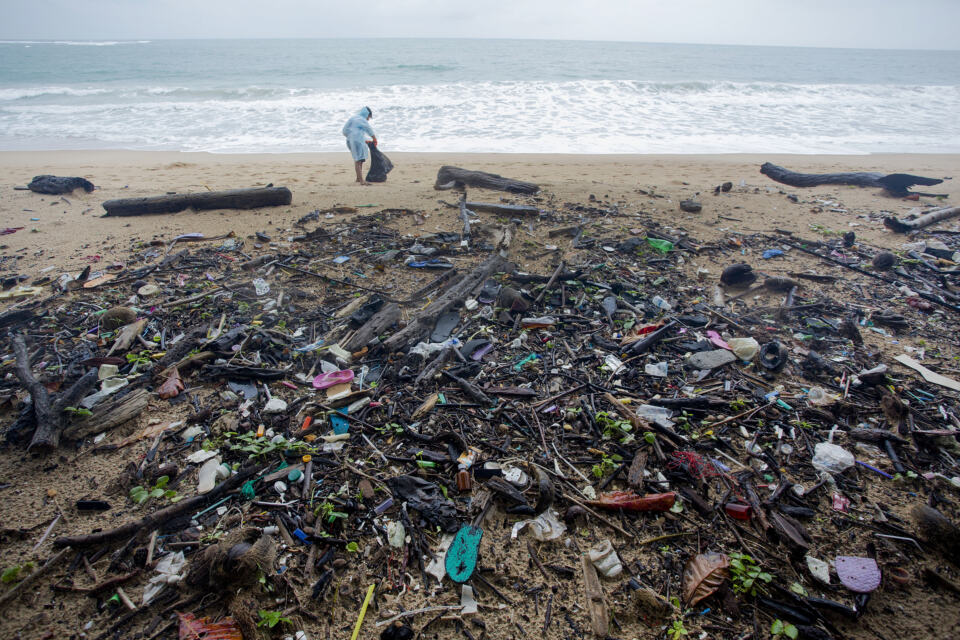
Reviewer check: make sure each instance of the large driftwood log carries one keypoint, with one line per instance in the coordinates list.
(896, 184)
(378, 323)
(232, 199)
(927, 219)
(421, 325)
(448, 177)
(110, 414)
(48, 411)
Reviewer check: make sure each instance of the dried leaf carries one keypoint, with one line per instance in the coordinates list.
(703, 575)
(193, 628)
(172, 387)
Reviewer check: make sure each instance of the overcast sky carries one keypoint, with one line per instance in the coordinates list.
(894, 24)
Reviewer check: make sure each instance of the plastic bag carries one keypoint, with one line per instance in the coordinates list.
(380, 165)
(831, 458)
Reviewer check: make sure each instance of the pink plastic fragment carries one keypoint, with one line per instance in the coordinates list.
(840, 502)
(717, 340)
(325, 380)
(861, 575)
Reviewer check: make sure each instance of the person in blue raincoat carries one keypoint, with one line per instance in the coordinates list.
(356, 131)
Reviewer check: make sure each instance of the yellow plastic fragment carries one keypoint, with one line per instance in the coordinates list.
(363, 612)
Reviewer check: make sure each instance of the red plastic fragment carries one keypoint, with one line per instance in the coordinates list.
(629, 501)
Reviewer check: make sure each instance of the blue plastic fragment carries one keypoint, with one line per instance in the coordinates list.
(772, 253)
(461, 558)
(300, 534)
(434, 263)
(340, 424)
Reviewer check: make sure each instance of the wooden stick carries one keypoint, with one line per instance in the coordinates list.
(156, 518)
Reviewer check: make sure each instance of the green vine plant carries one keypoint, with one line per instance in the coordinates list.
(613, 427)
(607, 464)
(141, 494)
(258, 447)
(271, 619)
(747, 575)
(677, 630)
(780, 629)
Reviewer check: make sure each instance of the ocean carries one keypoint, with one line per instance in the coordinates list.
(510, 96)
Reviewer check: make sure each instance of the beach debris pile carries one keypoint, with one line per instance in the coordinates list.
(560, 421)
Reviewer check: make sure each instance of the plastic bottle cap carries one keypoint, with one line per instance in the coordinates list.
(306, 457)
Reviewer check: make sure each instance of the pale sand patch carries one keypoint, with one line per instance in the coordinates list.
(67, 232)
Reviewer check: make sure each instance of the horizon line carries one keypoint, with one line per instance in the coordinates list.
(147, 40)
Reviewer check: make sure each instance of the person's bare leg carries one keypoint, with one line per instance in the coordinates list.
(358, 165)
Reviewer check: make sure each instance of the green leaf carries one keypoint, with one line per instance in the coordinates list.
(777, 627)
(161, 482)
(766, 577)
(790, 631)
(10, 575)
(353, 547)
(798, 589)
(156, 493)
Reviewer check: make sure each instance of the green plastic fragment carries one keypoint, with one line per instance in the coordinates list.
(246, 491)
(660, 245)
(461, 558)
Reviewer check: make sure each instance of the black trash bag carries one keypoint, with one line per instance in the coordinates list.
(427, 498)
(55, 185)
(380, 165)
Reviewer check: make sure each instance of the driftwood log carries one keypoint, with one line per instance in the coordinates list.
(110, 414)
(449, 177)
(232, 199)
(421, 325)
(927, 219)
(896, 184)
(48, 410)
(386, 317)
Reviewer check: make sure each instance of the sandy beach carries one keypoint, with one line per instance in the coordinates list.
(614, 196)
(62, 232)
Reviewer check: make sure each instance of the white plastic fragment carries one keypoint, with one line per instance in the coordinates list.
(605, 559)
(207, 476)
(167, 572)
(546, 526)
(467, 600)
(819, 569)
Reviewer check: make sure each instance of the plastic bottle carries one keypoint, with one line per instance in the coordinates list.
(661, 304)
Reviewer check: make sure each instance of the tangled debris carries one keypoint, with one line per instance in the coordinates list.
(361, 429)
